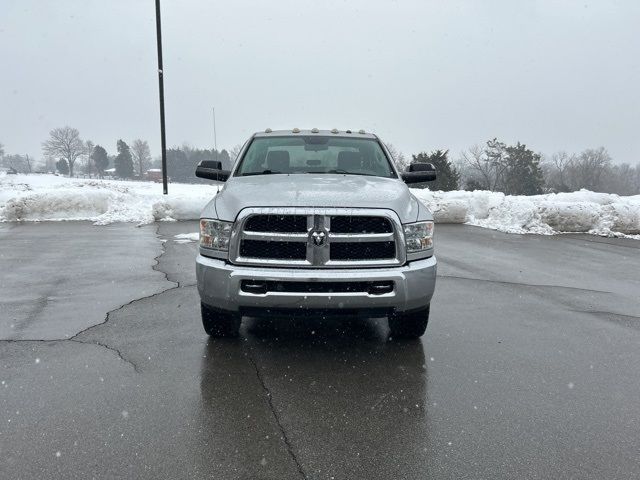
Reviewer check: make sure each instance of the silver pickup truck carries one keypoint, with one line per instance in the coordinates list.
(315, 222)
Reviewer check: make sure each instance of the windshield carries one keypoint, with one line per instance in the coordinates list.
(315, 154)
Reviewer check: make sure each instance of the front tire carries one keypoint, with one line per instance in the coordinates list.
(219, 324)
(409, 325)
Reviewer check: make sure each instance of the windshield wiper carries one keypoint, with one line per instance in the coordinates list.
(264, 172)
(338, 170)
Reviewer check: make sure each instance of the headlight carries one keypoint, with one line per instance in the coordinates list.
(418, 236)
(215, 234)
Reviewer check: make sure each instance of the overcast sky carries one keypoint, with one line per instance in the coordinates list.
(423, 75)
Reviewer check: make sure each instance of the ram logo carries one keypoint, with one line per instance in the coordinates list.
(318, 238)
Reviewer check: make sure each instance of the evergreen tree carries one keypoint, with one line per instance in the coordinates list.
(523, 174)
(62, 166)
(179, 168)
(124, 161)
(100, 159)
(447, 176)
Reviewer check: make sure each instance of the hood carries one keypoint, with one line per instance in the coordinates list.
(308, 190)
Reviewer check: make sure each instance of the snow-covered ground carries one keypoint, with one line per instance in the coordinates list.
(49, 197)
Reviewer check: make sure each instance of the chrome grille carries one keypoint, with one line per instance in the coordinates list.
(317, 238)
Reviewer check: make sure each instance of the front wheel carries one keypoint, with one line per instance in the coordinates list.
(218, 323)
(410, 324)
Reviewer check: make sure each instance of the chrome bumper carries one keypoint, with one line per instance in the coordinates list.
(219, 285)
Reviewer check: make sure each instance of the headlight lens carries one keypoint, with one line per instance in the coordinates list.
(215, 234)
(418, 236)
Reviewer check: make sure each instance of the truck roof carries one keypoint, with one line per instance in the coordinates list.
(314, 131)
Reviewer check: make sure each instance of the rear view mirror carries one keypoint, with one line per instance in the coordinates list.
(419, 172)
(212, 170)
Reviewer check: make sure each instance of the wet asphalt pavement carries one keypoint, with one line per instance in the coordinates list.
(530, 367)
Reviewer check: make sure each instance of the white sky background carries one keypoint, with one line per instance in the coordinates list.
(423, 75)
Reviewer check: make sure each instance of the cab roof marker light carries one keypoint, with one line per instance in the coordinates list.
(314, 130)
(296, 130)
(335, 130)
(361, 132)
(268, 130)
(348, 131)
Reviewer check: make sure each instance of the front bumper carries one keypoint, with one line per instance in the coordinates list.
(219, 285)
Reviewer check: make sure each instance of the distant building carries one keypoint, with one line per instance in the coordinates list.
(153, 175)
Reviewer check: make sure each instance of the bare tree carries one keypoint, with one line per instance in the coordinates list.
(234, 152)
(622, 179)
(19, 163)
(488, 167)
(589, 168)
(141, 155)
(398, 157)
(480, 169)
(1, 151)
(557, 171)
(64, 143)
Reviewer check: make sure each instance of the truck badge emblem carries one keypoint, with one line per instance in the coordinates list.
(318, 238)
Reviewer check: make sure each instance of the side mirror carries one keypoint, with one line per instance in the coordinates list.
(212, 170)
(419, 172)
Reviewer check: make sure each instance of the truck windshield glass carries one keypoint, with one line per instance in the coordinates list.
(315, 154)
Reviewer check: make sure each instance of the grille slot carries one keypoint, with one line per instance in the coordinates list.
(360, 224)
(317, 287)
(277, 223)
(363, 251)
(273, 250)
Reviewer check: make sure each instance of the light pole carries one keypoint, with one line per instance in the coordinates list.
(163, 140)
(215, 139)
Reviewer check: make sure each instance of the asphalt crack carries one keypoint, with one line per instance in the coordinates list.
(112, 349)
(64, 340)
(74, 338)
(274, 412)
(156, 268)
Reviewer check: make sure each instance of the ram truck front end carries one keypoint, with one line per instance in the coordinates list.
(315, 223)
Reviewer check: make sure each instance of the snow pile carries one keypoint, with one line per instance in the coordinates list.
(49, 197)
(187, 237)
(583, 211)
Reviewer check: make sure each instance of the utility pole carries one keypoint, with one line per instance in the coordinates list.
(215, 139)
(163, 140)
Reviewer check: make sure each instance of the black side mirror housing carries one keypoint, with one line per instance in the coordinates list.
(212, 170)
(419, 172)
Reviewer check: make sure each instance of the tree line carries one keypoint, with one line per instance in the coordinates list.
(518, 170)
(495, 165)
(67, 153)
